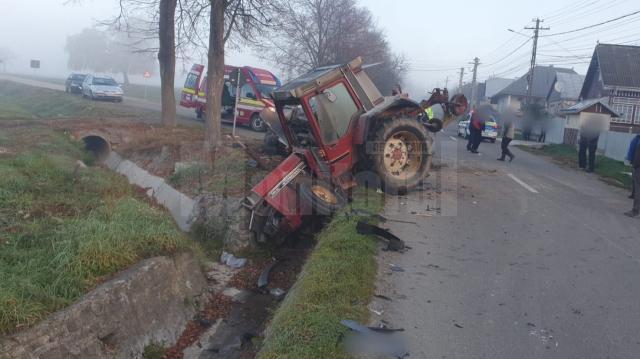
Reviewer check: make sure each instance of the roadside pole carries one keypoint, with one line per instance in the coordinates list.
(235, 112)
(146, 76)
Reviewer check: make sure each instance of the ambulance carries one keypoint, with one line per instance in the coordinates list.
(254, 87)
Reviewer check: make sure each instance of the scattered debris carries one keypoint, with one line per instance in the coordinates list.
(383, 219)
(382, 297)
(458, 326)
(422, 214)
(277, 292)
(395, 243)
(232, 261)
(369, 341)
(236, 294)
(531, 324)
(383, 328)
(252, 163)
(376, 312)
(263, 280)
(81, 164)
(396, 268)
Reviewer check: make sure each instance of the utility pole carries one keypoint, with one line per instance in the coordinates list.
(461, 77)
(474, 85)
(536, 33)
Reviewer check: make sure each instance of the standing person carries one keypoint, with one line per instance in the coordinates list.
(483, 114)
(471, 136)
(634, 158)
(589, 136)
(508, 133)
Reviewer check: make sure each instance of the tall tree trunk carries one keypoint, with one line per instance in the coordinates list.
(215, 76)
(167, 60)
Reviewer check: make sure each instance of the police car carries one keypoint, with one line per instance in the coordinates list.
(490, 131)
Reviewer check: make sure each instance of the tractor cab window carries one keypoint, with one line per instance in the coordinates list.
(333, 108)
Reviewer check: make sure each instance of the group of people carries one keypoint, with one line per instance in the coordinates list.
(477, 122)
(588, 145)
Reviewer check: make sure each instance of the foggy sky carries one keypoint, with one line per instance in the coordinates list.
(436, 40)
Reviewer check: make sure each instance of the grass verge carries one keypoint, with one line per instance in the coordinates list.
(63, 228)
(18, 101)
(611, 171)
(336, 283)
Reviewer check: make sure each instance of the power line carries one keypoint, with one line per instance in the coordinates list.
(594, 25)
(511, 53)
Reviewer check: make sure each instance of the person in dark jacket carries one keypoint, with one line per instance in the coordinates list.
(589, 136)
(508, 133)
(633, 156)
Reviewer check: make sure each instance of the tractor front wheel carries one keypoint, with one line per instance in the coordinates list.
(401, 154)
(323, 199)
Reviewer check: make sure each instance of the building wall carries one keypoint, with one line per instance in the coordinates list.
(508, 103)
(615, 144)
(628, 108)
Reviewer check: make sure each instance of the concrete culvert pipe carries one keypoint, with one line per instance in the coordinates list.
(98, 146)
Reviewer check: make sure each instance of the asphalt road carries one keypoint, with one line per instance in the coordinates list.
(185, 116)
(513, 260)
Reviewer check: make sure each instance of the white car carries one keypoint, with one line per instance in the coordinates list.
(101, 88)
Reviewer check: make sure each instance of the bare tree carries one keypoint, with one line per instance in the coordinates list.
(102, 51)
(229, 22)
(167, 60)
(312, 33)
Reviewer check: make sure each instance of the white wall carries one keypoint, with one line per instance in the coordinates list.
(615, 144)
(555, 130)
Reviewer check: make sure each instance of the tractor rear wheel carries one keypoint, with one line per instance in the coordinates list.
(401, 154)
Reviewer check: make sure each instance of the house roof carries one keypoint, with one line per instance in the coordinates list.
(543, 79)
(496, 84)
(619, 64)
(583, 105)
(566, 87)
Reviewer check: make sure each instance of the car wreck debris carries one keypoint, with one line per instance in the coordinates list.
(395, 243)
(232, 261)
(263, 280)
(368, 341)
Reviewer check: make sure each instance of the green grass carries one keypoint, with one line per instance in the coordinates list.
(336, 283)
(153, 92)
(130, 90)
(63, 229)
(18, 101)
(611, 171)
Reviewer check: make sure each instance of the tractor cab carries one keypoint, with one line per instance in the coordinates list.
(337, 127)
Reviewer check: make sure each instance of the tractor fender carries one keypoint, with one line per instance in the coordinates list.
(392, 106)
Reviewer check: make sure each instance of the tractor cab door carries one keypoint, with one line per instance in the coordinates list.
(335, 109)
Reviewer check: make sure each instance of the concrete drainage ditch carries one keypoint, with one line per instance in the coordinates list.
(153, 301)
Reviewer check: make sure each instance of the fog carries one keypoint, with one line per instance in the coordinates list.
(436, 38)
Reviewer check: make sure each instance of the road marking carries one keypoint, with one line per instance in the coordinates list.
(520, 182)
(453, 139)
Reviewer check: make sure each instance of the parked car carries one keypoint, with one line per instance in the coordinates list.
(73, 84)
(490, 131)
(99, 87)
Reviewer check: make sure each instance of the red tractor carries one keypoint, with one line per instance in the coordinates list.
(340, 131)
